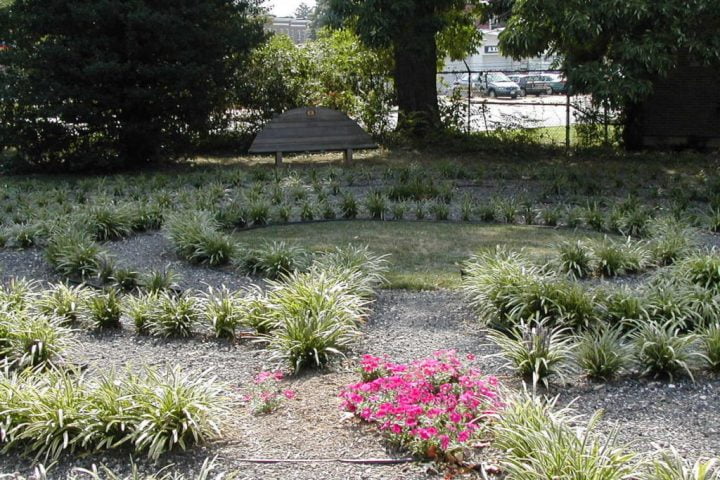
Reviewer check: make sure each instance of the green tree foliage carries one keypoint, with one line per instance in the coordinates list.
(303, 11)
(615, 49)
(117, 83)
(335, 71)
(417, 32)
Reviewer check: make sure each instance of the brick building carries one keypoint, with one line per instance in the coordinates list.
(682, 112)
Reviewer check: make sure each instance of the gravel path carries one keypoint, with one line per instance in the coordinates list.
(405, 326)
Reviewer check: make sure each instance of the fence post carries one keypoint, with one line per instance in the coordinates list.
(605, 122)
(469, 105)
(567, 122)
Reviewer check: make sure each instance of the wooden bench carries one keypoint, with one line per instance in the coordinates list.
(311, 129)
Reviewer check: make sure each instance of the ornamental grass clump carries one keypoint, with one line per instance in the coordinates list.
(710, 341)
(670, 240)
(536, 351)
(575, 259)
(221, 310)
(159, 281)
(63, 302)
(46, 414)
(29, 341)
(357, 267)
(73, 253)
(314, 318)
(108, 222)
(274, 259)
(602, 353)
(670, 465)
(559, 302)
(614, 259)
(661, 350)
(493, 278)
(539, 443)
(173, 315)
(104, 310)
(435, 407)
(701, 269)
(196, 237)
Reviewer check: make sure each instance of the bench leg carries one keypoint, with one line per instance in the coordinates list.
(278, 159)
(348, 156)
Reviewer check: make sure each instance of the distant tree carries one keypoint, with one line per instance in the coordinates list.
(616, 50)
(110, 83)
(418, 32)
(303, 11)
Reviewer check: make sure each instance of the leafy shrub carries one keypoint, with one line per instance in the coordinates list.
(307, 212)
(661, 349)
(195, 237)
(274, 259)
(575, 259)
(283, 213)
(594, 217)
(536, 351)
(508, 209)
(221, 312)
(433, 407)
(602, 353)
(18, 295)
(104, 310)
(254, 311)
(419, 210)
(63, 302)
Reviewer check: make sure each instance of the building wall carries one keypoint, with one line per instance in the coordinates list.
(298, 30)
(489, 58)
(684, 109)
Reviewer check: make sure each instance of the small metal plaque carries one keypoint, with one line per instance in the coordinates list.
(311, 112)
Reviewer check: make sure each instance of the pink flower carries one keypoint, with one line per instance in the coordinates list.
(289, 394)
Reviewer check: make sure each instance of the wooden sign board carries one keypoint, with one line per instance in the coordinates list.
(311, 129)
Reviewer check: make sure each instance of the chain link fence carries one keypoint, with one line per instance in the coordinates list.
(529, 104)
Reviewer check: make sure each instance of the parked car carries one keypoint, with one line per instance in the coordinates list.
(534, 84)
(558, 83)
(497, 84)
(460, 85)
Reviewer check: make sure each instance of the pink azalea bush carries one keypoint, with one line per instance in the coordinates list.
(433, 407)
(266, 396)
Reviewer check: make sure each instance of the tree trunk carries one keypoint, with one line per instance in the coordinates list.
(416, 78)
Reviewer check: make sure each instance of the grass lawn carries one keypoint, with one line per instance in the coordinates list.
(423, 255)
